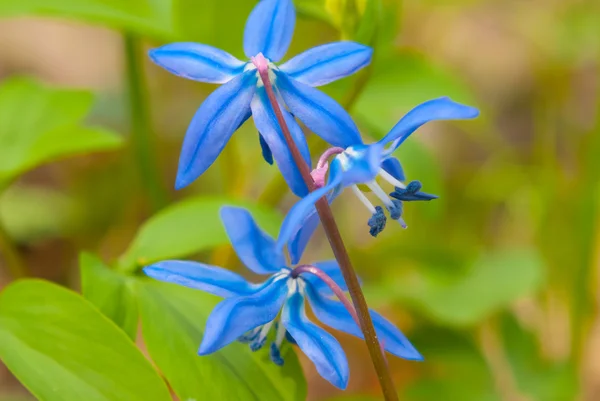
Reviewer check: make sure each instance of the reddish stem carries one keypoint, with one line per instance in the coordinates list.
(337, 244)
(327, 154)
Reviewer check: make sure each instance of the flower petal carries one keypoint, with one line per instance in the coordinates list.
(234, 316)
(335, 315)
(267, 124)
(323, 115)
(394, 168)
(269, 29)
(212, 279)
(442, 108)
(198, 62)
(361, 163)
(298, 213)
(212, 126)
(255, 248)
(317, 344)
(327, 63)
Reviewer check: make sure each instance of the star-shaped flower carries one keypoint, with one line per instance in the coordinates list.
(250, 311)
(362, 164)
(267, 36)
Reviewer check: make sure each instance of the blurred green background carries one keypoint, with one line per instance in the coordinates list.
(496, 282)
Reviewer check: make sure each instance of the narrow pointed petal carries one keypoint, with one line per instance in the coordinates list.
(198, 62)
(265, 149)
(269, 29)
(212, 126)
(394, 168)
(317, 344)
(298, 213)
(437, 109)
(335, 315)
(327, 63)
(212, 279)
(235, 316)
(323, 115)
(255, 248)
(267, 124)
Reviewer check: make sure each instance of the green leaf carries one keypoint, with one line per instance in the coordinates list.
(401, 81)
(39, 124)
(31, 213)
(173, 320)
(491, 283)
(62, 349)
(110, 291)
(152, 17)
(186, 228)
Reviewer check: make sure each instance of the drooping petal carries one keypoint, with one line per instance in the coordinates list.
(200, 276)
(255, 248)
(198, 62)
(215, 121)
(317, 344)
(269, 29)
(394, 168)
(235, 316)
(327, 63)
(442, 108)
(323, 115)
(298, 213)
(332, 269)
(266, 122)
(361, 163)
(335, 315)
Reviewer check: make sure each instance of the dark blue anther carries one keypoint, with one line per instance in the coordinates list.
(396, 210)
(258, 343)
(412, 193)
(266, 150)
(289, 338)
(248, 337)
(377, 221)
(275, 355)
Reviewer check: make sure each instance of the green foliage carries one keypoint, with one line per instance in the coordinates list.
(61, 348)
(186, 228)
(111, 292)
(172, 322)
(39, 124)
(151, 17)
(494, 280)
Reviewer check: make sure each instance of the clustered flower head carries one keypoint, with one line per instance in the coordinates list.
(249, 311)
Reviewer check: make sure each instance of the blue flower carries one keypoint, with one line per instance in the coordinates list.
(250, 311)
(267, 36)
(362, 164)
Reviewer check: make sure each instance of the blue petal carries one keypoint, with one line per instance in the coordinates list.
(394, 168)
(298, 213)
(437, 109)
(198, 62)
(212, 126)
(361, 163)
(327, 63)
(267, 124)
(212, 279)
(335, 315)
(254, 247)
(269, 29)
(317, 344)
(332, 269)
(323, 115)
(235, 316)
(299, 240)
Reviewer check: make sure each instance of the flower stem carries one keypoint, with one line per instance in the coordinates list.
(141, 136)
(11, 255)
(339, 250)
